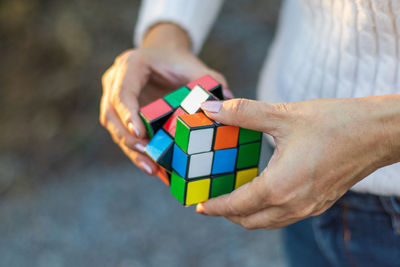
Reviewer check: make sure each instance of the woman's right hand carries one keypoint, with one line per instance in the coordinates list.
(138, 76)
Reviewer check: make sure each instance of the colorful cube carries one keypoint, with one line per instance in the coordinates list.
(227, 155)
(200, 158)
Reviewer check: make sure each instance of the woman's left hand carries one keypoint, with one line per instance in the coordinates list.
(323, 147)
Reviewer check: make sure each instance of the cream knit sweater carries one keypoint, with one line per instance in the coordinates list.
(323, 48)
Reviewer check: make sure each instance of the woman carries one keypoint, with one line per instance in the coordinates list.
(340, 61)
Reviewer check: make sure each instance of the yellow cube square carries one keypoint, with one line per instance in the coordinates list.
(197, 191)
(245, 176)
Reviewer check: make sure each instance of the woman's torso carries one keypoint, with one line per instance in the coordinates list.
(337, 48)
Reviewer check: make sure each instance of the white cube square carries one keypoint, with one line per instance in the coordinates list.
(200, 165)
(200, 140)
(191, 103)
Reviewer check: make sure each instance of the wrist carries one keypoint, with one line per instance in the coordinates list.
(384, 112)
(168, 36)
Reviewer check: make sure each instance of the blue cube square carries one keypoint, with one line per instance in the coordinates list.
(160, 149)
(179, 161)
(224, 161)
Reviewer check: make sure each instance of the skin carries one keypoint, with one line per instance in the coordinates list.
(323, 146)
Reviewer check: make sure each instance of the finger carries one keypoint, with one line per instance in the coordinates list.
(269, 218)
(136, 154)
(140, 160)
(245, 200)
(132, 147)
(131, 76)
(120, 134)
(250, 114)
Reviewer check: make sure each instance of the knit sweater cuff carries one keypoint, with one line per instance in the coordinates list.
(194, 16)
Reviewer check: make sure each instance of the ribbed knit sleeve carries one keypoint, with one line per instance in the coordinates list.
(195, 16)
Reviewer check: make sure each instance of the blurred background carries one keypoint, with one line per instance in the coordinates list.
(68, 196)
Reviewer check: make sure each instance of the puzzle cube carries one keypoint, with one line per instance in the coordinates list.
(189, 192)
(160, 149)
(154, 115)
(200, 158)
(228, 156)
(194, 133)
(191, 103)
(209, 84)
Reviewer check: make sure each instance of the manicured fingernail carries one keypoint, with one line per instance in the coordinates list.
(212, 106)
(146, 168)
(133, 129)
(139, 147)
(200, 209)
(227, 93)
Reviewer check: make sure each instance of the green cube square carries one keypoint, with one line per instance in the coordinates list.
(247, 136)
(182, 135)
(178, 187)
(248, 155)
(221, 185)
(176, 97)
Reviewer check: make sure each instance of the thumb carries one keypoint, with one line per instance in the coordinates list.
(250, 114)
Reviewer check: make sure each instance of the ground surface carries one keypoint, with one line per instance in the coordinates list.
(116, 216)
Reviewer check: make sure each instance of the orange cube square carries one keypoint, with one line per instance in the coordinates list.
(226, 137)
(196, 120)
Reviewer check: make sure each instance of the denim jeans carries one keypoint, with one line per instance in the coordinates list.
(358, 230)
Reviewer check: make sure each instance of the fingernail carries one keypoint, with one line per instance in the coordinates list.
(212, 106)
(227, 93)
(200, 209)
(139, 147)
(135, 130)
(146, 168)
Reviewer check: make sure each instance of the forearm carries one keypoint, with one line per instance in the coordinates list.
(168, 36)
(195, 16)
